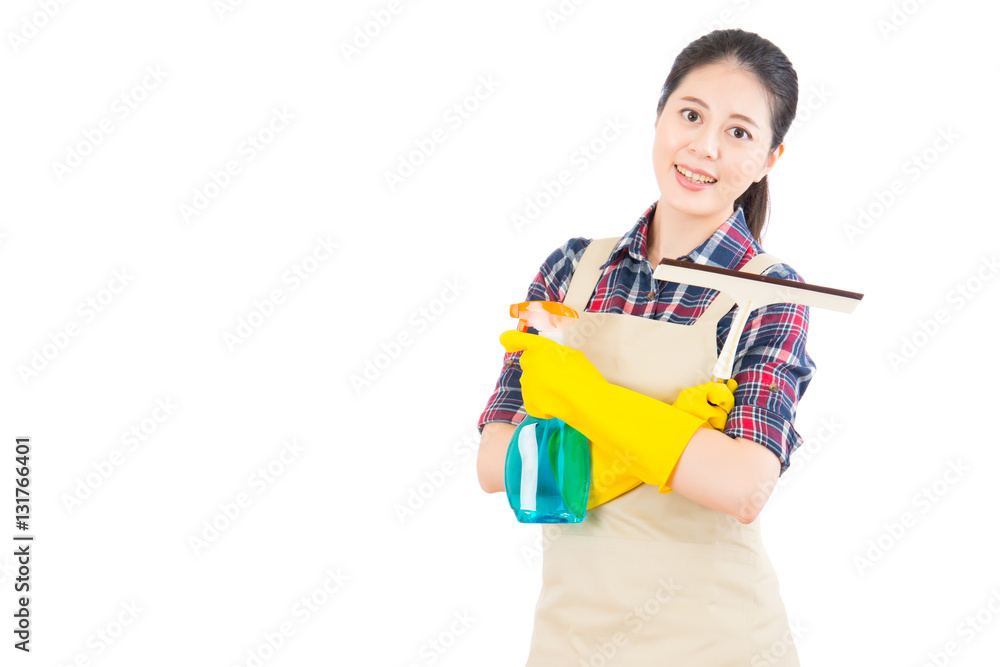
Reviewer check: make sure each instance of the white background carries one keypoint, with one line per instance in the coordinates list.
(437, 260)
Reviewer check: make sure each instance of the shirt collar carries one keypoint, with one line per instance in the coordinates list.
(727, 245)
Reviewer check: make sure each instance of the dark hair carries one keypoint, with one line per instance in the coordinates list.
(763, 60)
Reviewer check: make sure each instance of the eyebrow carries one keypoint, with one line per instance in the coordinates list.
(735, 115)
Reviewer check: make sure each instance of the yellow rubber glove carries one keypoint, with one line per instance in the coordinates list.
(610, 476)
(559, 381)
(712, 401)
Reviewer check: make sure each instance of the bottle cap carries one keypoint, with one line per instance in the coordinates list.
(542, 315)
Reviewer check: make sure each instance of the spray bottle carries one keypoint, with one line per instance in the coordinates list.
(547, 469)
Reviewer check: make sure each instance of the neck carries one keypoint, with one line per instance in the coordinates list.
(673, 234)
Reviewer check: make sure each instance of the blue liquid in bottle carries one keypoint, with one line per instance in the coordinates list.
(547, 472)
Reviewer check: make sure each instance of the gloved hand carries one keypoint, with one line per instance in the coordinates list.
(559, 381)
(610, 475)
(712, 401)
(552, 375)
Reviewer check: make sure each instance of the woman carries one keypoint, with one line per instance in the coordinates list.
(668, 565)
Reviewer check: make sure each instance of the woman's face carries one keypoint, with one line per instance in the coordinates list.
(716, 121)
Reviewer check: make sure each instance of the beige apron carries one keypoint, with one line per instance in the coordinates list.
(650, 578)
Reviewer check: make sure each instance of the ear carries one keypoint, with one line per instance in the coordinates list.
(771, 160)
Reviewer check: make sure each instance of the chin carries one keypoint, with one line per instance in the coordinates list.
(678, 202)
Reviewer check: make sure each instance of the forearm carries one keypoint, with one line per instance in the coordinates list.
(493, 455)
(731, 475)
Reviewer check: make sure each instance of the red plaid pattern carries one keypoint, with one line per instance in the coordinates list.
(772, 366)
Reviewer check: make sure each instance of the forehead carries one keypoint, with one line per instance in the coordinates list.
(726, 90)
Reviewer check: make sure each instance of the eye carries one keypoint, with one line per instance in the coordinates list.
(744, 135)
(687, 112)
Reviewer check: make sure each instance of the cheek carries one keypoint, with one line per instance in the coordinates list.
(743, 170)
(751, 163)
(658, 146)
(661, 156)
(665, 151)
(666, 138)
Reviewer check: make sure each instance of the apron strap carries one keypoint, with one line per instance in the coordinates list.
(723, 303)
(588, 272)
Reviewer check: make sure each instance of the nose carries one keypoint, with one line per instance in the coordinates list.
(705, 143)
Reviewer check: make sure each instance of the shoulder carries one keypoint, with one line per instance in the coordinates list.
(562, 262)
(793, 312)
(783, 271)
(794, 316)
(569, 253)
(557, 270)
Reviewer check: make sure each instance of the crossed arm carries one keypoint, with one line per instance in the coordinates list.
(731, 475)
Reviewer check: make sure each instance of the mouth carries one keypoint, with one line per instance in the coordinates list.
(691, 177)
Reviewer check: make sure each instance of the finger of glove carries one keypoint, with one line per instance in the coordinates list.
(695, 401)
(721, 396)
(536, 349)
(514, 340)
(714, 415)
(717, 418)
(536, 394)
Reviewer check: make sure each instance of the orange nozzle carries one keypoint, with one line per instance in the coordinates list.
(542, 315)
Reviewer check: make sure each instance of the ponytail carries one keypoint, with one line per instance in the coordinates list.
(755, 202)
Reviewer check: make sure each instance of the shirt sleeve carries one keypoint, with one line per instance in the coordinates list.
(550, 284)
(772, 370)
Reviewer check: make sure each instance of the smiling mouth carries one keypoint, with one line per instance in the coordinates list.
(695, 178)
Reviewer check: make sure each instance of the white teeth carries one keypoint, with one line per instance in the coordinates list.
(691, 176)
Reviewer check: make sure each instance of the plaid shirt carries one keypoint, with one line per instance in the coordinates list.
(772, 367)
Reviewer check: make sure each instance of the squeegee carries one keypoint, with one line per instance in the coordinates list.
(751, 291)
